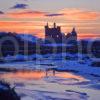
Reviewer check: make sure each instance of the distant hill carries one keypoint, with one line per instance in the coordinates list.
(28, 37)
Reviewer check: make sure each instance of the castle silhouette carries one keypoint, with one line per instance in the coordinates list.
(54, 34)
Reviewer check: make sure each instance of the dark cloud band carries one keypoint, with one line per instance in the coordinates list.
(20, 6)
(54, 15)
(1, 12)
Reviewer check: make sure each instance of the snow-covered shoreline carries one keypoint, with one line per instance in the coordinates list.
(63, 62)
(76, 66)
(60, 65)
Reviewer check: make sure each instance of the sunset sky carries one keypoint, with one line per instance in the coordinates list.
(30, 16)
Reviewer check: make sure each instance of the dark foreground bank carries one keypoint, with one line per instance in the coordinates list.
(7, 93)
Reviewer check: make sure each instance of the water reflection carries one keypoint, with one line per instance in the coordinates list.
(39, 74)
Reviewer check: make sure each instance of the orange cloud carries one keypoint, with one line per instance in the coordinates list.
(88, 35)
(80, 14)
(24, 14)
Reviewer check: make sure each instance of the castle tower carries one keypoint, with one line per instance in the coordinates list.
(74, 33)
(53, 33)
(47, 26)
(54, 25)
(46, 30)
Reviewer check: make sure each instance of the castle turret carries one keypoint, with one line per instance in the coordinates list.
(74, 33)
(54, 25)
(46, 30)
(47, 24)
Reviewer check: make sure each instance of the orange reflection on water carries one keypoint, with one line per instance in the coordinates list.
(69, 75)
(38, 74)
(25, 75)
